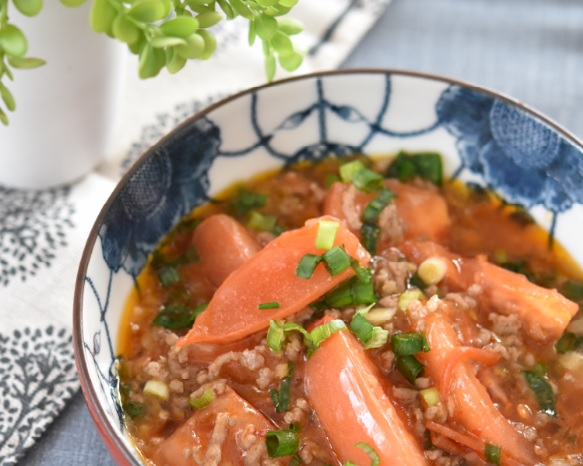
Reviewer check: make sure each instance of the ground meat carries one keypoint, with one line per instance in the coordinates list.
(436, 413)
(350, 210)
(463, 300)
(212, 456)
(391, 225)
(391, 274)
(405, 395)
(505, 325)
(299, 413)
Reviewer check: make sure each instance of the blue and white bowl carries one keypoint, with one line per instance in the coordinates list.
(485, 138)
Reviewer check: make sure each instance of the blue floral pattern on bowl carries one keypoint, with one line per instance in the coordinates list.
(484, 138)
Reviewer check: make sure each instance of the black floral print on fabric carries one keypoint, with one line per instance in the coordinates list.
(33, 227)
(37, 378)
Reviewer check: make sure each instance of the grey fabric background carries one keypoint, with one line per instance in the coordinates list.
(529, 49)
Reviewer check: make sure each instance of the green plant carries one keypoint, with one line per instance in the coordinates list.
(163, 33)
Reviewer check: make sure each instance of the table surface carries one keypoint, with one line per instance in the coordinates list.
(529, 49)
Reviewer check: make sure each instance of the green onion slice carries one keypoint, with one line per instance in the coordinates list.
(424, 165)
(367, 180)
(370, 336)
(568, 342)
(259, 222)
(493, 453)
(573, 290)
(362, 293)
(281, 442)
(276, 334)
(307, 265)
(280, 397)
(347, 170)
(410, 367)
(543, 392)
(336, 260)
(326, 234)
(362, 273)
(134, 410)
(246, 200)
(168, 276)
(370, 451)
(322, 332)
(270, 305)
(407, 344)
(354, 291)
(370, 234)
(178, 316)
(203, 400)
(340, 296)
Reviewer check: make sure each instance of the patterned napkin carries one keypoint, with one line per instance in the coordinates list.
(42, 233)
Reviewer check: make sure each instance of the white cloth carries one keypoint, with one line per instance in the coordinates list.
(42, 233)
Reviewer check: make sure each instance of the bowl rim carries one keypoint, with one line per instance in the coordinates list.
(109, 433)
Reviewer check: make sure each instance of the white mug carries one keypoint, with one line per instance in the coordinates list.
(67, 110)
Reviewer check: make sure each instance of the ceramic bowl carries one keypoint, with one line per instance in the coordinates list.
(485, 138)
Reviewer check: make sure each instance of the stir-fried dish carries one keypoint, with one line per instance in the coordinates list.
(355, 312)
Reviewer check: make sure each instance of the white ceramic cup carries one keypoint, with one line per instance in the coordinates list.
(67, 110)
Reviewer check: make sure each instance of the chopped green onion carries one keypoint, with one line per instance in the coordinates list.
(370, 336)
(410, 367)
(573, 290)
(347, 170)
(370, 234)
(259, 222)
(177, 316)
(543, 392)
(372, 211)
(406, 166)
(326, 234)
(168, 276)
(245, 201)
(340, 296)
(362, 293)
(407, 344)
(157, 388)
(361, 327)
(336, 260)
(380, 315)
(568, 342)
(276, 334)
(416, 282)
(280, 397)
(322, 332)
(307, 265)
(330, 179)
(270, 305)
(493, 453)
(370, 451)
(349, 463)
(432, 270)
(408, 297)
(203, 400)
(430, 396)
(281, 442)
(353, 291)
(362, 273)
(367, 180)
(160, 261)
(379, 338)
(134, 410)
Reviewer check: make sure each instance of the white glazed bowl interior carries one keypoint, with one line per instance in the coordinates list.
(485, 138)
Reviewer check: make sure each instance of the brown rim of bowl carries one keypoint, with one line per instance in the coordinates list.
(97, 412)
